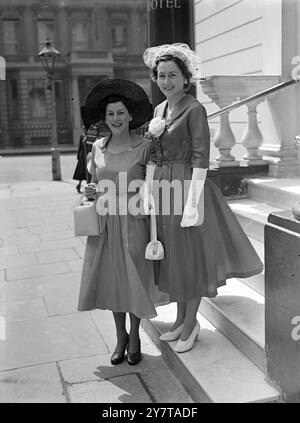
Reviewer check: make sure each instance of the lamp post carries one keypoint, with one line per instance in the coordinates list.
(48, 56)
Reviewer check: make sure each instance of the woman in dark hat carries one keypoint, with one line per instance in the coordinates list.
(115, 274)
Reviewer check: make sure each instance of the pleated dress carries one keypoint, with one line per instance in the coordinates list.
(198, 259)
(115, 274)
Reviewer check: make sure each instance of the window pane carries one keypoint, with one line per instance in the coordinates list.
(11, 28)
(80, 39)
(45, 30)
(119, 36)
(37, 98)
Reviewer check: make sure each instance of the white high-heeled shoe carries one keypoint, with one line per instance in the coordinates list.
(172, 335)
(183, 346)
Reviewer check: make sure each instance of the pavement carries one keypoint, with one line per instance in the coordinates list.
(50, 352)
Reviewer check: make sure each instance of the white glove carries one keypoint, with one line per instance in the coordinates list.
(193, 212)
(146, 197)
(145, 190)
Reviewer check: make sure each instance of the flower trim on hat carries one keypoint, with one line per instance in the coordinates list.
(180, 50)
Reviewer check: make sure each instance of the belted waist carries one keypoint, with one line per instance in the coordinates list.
(166, 162)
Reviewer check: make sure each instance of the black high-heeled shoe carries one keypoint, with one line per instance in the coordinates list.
(134, 358)
(117, 356)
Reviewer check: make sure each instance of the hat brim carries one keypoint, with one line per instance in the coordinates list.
(94, 109)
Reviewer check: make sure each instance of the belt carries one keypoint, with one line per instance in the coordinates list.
(166, 162)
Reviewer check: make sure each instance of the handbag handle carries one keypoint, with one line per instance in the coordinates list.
(153, 225)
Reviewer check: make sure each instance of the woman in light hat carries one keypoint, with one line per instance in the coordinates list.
(115, 274)
(204, 243)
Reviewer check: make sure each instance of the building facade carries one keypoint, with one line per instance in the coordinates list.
(96, 39)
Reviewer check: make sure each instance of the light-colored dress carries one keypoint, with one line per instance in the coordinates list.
(115, 275)
(198, 259)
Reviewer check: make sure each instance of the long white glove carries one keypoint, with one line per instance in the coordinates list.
(193, 213)
(146, 189)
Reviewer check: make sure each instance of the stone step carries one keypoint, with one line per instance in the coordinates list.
(252, 216)
(282, 193)
(238, 312)
(214, 370)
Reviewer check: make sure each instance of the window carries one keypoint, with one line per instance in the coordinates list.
(80, 35)
(37, 98)
(45, 30)
(11, 36)
(119, 36)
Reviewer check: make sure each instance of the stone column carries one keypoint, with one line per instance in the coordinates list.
(4, 117)
(63, 23)
(252, 138)
(29, 25)
(103, 41)
(135, 33)
(283, 108)
(225, 141)
(76, 110)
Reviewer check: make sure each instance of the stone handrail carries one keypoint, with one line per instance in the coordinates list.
(250, 90)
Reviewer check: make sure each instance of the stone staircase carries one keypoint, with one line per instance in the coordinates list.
(228, 363)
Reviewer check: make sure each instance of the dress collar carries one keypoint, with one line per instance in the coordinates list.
(179, 107)
(135, 140)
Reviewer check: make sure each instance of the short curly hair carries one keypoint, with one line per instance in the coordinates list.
(115, 99)
(182, 66)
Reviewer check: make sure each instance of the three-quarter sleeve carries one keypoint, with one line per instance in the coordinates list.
(148, 152)
(200, 137)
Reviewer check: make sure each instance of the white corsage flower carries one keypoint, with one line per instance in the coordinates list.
(157, 126)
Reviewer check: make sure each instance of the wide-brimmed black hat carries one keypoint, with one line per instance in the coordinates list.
(95, 105)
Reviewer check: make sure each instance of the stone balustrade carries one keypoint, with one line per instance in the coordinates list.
(224, 90)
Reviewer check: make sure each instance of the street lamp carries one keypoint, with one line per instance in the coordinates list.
(48, 56)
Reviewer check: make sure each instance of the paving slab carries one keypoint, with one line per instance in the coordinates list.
(75, 265)
(49, 236)
(56, 227)
(51, 256)
(50, 245)
(2, 276)
(14, 311)
(80, 250)
(152, 370)
(37, 270)
(60, 292)
(17, 260)
(8, 250)
(49, 339)
(36, 384)
(122, 389)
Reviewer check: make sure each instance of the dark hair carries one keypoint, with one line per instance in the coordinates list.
(115, 99)
(187, 74)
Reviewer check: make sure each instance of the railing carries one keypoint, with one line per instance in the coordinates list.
(223, 91)
(246, 100)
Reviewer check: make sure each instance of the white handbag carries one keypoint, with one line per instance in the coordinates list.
(86, 219)
(154, 249)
